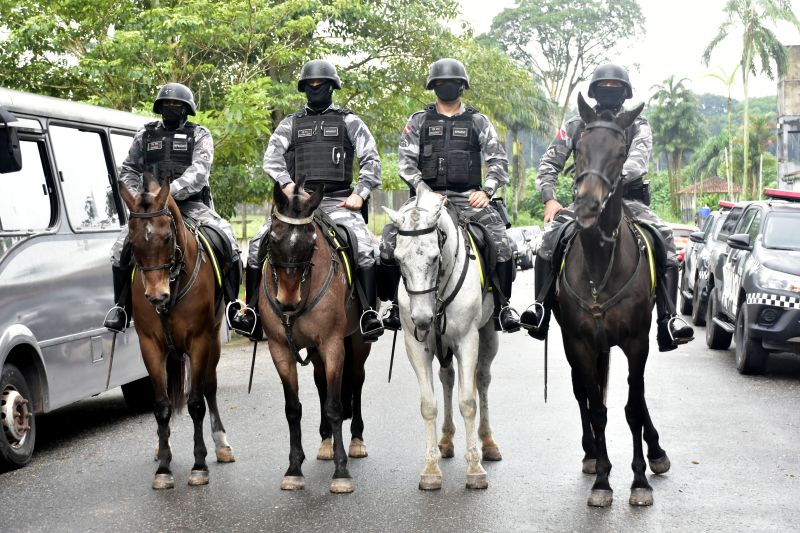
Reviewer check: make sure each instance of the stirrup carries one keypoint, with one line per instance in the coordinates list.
(534, 306)
(513, 313)
(372, 334)
(671, 321)
(124, 324)
(243, 310)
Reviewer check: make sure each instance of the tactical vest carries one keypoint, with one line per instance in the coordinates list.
(450, 151)
(170, 151)
(321, 150)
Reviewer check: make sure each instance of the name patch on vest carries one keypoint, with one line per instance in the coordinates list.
(305, 132)
(435, 130)
(461, 132)
(180, 146)
(330, 131)
(155, 145)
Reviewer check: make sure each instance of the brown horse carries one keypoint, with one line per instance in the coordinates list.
(305, 302)
(177, 316)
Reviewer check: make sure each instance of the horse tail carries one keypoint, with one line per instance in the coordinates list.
(348, 374)
(603, 364)
(178, 376)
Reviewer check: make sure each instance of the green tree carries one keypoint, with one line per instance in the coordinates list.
(728, 80)
(562, 42)
(677, 128)
(750, 18)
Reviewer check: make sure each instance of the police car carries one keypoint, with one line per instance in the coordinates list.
(691, 257)
(757, 298)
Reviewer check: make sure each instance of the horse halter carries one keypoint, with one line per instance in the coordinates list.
(175, 264)
(442, 238)
(306, 265)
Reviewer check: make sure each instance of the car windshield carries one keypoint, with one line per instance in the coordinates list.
(781, 231)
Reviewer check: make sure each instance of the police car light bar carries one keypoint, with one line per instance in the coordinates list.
(725, 204)
(782, 195)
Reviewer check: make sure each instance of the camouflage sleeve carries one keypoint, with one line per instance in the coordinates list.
(552, 163)
(494, 154)
(131, 170)
(195, 178)
(279, 141)
(408, 152)
(369, 161)
(639, 154)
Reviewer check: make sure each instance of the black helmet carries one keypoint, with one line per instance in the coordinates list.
(175, 91)
(610, 71)
(318, 69)
(447, 69)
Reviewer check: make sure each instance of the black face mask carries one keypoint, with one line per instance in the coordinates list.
(449, 90)
(173, 117)
(609, 97)
(320, 97)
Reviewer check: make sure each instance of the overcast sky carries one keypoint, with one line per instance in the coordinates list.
(677, 32)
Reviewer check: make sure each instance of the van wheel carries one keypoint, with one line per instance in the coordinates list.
(16, 418)
(751, 357)
(716, 337)
(139, 394)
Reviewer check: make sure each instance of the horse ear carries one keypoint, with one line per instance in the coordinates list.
(126, 195)
(626, 118)
(588, 114)
(279, 198)
(316, 198)
(162, 195)
(396, 218)
(442, 201)
(301, 181)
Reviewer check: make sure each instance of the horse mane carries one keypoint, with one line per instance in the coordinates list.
(606, 116)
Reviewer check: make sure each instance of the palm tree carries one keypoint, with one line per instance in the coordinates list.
(750, 18)
(728, 80)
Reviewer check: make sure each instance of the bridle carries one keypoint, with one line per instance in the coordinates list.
(175, 264)
(305, 265)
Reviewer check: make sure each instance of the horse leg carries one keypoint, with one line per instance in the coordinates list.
(601, 495)
(636, 350)
(157, 368)
(197, 410)
(448, 378)
(360, 353)
(487, 351)
(656, 456)
(287, 370)
(222, 449)
(325, 452)
(587, 440)
(422, 362)
(467, 354)
(333, 357)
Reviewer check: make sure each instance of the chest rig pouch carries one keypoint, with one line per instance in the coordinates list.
(169, 151)
(321, 150)
(450, 151)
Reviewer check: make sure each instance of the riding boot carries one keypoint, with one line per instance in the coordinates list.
(388, 282)
(119, 317)
(672, 330)
(536, 318)
(244, 318)
(505, 317)
(370, 322)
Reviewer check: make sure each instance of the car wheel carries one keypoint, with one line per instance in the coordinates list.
(17, 419)
(751, 357)
(699, 304)
(139, 394)
(716, 337)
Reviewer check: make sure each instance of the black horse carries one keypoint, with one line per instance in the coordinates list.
(605, 298)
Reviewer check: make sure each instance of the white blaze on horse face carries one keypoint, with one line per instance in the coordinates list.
(148, 230)
(419, 258)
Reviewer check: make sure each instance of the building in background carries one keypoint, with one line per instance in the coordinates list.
(789, 123)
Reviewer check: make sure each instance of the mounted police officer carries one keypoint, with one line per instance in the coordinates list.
(610, 87)
(443, 147)
(172, 148)
(320, 141)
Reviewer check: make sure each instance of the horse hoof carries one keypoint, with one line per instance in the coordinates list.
(601, 498)
(589, 466)
(293, 483)
(225, 455)
(358, 450)
(429, 482)
(492, 454)
(342, 485)
(477, 481)
(447, 450)
(660, 465)
(325, 452)
(641, 497)
(163, 481)
(198, 477)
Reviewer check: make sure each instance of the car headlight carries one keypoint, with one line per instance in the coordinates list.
(772, 279)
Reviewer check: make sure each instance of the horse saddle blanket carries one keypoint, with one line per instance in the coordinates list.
(216, 246)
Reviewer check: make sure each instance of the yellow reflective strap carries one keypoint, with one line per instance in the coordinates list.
(133, 273)
(650, 258)
(477, 258)
(210, 251)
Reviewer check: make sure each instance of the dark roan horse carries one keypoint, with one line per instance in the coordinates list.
(605, 298)
(306, 301)
(177, 314)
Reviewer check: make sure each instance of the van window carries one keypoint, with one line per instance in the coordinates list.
(24, 200)
(120, 144)
(83, 171)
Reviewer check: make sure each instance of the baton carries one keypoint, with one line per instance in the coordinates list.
(391, 360)
(111, 358)
(252, 366)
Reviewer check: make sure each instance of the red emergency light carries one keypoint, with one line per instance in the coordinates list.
(778, 194)
(724, 204)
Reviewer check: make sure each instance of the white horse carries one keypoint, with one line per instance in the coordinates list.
(441, 279)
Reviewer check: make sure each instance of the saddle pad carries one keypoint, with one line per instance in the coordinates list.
(214, 243)
(342, 239)
(481, 239)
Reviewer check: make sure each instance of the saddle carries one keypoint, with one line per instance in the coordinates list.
(218, 248)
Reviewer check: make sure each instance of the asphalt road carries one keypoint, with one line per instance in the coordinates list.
(732, 441)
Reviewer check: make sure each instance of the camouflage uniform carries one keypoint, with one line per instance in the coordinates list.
(640, 140)
(494, 156)
(369, 178)
(190, 184)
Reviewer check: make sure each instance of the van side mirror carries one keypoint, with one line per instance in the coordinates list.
(10, 155)
(696, 236)
(740, 241)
